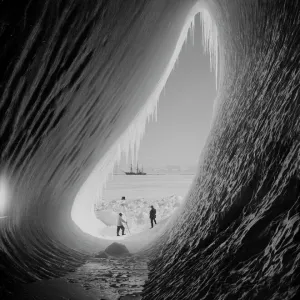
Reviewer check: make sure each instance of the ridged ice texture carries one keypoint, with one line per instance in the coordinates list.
(238, 235)
(74, 74)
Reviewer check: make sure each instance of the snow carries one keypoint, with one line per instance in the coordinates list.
(136, 213)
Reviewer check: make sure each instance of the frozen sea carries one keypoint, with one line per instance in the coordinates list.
(146, 186)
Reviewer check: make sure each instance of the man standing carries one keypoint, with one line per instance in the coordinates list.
(120, 224)
(152, 215)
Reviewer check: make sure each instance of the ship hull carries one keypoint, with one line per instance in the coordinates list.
(128, 173)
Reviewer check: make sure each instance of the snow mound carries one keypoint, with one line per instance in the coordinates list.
(117, 249)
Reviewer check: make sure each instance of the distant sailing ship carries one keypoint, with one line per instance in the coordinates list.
(138, 171)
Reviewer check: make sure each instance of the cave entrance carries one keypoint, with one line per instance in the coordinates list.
(169, 151)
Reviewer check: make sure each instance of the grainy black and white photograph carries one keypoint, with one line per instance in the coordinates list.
(149, 149)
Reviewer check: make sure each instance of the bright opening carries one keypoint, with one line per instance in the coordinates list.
(166, 182)
(3, 197)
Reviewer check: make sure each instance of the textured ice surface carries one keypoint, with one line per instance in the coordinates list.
(112, 278)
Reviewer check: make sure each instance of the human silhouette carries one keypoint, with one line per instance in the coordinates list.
(120, 222)
(152, 215)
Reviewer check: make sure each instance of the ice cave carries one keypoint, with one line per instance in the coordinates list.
(78, 81)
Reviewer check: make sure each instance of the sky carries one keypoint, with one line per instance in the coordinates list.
(184, 111)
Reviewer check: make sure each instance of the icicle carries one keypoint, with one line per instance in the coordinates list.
(210, 40)
(192, 28)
